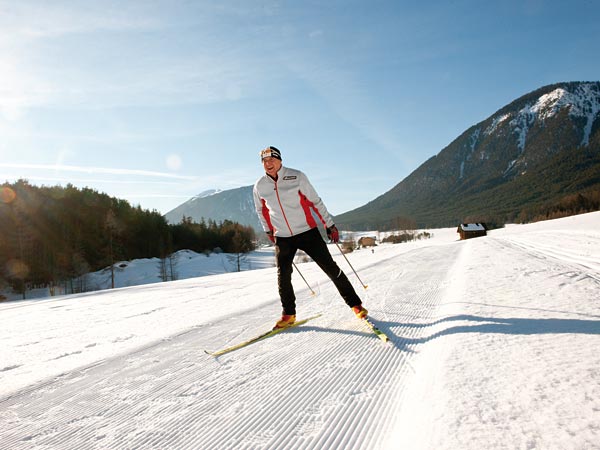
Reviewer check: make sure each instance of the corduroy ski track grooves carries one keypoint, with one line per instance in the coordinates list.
(176, 385)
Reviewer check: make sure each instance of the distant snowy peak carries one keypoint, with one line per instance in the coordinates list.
(582, 101)
(208, 193)
(525, 124)
(236, 205)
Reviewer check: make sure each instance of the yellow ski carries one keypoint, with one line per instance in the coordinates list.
(380, 334)
(260, 337)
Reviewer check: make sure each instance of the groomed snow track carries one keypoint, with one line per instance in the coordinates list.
(327, 384)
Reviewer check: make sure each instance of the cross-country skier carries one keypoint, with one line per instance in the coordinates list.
(285, 200)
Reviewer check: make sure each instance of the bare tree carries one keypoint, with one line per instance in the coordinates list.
(111, 224)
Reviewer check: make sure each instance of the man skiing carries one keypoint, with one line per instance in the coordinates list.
(285, 201)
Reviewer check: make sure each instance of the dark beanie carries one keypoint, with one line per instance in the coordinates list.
(270, 151)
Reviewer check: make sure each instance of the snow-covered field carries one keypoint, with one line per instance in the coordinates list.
(185, 264)
(494, 344)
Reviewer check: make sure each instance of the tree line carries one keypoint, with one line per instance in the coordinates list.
(569, 205)
(50, 235)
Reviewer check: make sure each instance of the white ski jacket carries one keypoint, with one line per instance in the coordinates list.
(285, 207)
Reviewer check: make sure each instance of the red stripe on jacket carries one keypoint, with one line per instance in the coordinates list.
(307, 205)
(266, 215)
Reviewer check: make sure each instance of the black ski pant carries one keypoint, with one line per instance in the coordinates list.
(312, 243)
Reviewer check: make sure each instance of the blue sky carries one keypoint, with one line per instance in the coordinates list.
(156, 101)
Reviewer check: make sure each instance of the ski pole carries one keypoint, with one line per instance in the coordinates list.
(300, 273)
(346, 258)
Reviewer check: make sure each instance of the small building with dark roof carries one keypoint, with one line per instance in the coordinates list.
(471, 230)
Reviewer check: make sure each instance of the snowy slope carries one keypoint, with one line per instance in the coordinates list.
(186, 264)
(583, 102)
(494, 345)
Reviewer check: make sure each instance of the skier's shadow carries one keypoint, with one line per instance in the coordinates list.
(395, 341)
(397, 331)
(478, 324)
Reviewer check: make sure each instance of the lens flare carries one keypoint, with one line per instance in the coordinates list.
(7, 195)
(174, 162)
(15, 268)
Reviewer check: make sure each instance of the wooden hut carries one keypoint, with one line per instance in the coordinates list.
(471, 230)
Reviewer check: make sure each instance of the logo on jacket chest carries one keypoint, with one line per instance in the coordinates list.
(290, 177)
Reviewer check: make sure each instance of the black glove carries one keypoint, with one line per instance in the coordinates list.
(270, 236)
(333, 234)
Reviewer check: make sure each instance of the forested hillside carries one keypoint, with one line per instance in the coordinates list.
(523, 161)
(52, 235)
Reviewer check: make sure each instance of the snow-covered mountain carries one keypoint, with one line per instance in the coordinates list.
(537, 149)
(208, 193)
(494, 345)
(581, 102)
(236, 205)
